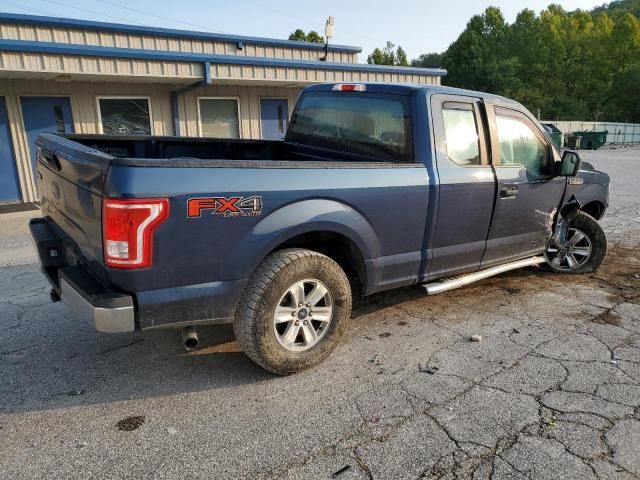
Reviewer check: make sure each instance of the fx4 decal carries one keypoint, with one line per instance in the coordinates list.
(225, 206)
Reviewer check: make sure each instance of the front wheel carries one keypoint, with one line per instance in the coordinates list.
(294, 310)
(587, 247)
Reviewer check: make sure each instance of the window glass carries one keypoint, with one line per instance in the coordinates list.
(519, 145)
(219, 117)
(59, 115)
(461, 134)
(376, 125)
(125, 116)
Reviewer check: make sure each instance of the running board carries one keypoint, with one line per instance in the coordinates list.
(450, 283)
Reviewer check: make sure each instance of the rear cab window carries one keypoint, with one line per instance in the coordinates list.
(461, 133)
(367, 124)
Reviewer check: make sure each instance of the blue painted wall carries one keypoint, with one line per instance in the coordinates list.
(9, 186)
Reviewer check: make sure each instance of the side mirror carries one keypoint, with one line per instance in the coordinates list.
(570, 163)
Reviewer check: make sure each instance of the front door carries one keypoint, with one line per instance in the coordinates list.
(9, 187)
(274, 118)
(45, 114)
(528, 193)
(466, 188)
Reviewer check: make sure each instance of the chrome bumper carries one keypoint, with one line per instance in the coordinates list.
(117, 319)
(108, 310)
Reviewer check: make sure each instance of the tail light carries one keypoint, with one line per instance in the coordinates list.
(127, 230)
(349, 87)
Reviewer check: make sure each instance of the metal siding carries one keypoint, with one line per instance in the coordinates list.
(289, 75)
(80, 36)
(67, 64)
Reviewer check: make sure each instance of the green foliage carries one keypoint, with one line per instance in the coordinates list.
(428, 60)
(389, 55)
(618, 8)
(312, 36)
(577, 64)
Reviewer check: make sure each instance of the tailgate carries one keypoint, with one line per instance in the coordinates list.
(70, 179)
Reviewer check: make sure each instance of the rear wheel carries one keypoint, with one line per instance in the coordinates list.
(294, 310)
(587, 247)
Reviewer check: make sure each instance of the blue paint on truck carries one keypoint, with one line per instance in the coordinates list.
(416, 186)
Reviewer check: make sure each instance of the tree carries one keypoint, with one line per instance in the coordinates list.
(389, 55)
(573, 65)
(312, 36)
(479, 58)
(428, 60)
(298, 35)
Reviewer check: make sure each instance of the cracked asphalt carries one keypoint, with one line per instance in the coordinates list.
(551, 392)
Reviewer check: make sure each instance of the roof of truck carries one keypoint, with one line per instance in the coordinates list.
(408, 88)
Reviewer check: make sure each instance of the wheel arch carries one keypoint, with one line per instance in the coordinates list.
(337, 246)
(595, 209)
(326, 226)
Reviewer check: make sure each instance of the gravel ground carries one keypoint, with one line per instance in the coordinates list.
(551, 392)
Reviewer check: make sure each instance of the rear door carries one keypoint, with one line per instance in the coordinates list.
(528, 193)
(45, 114)
(467, 185)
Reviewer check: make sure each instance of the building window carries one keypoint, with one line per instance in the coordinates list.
(219, 117)
(124, 116)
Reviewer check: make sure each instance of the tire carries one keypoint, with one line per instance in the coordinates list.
(595, 240)
(275, 284)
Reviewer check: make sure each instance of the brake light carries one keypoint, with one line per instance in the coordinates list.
(349, 87)
(127, 230)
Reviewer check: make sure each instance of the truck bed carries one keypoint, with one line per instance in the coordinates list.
(201, 264)
(208, 152)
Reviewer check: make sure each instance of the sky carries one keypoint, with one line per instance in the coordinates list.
(419, 26)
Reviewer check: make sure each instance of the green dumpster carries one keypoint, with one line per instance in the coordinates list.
(556, 138)
(554, 132)
(592, 140)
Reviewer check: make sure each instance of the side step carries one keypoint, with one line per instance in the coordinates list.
(450, 283)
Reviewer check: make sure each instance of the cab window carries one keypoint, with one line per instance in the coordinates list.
(520, 144)
(370, 124)
(461, 133)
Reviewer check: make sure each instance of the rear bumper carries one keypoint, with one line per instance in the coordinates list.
(109, 311)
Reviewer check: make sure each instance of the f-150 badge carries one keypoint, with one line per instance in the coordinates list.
(225, 206)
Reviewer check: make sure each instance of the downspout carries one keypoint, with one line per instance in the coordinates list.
(175, 110)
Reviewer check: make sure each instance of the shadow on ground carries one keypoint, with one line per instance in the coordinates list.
(51, 360)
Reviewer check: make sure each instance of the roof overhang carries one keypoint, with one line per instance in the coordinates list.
(140, 54)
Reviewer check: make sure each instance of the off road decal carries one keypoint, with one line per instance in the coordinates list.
(225, 206)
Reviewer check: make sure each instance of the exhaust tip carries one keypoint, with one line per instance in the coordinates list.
(191, 343)
(189, 339)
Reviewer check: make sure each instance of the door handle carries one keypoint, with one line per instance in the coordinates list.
(508, 191)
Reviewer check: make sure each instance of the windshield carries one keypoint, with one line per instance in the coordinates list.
(375, 125)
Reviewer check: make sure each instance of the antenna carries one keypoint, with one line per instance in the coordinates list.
(328, 34)
(328, 28)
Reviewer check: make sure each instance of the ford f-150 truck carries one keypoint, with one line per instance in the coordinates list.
(376, 186)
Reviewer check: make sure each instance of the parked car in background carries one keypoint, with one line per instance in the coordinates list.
(376, 186)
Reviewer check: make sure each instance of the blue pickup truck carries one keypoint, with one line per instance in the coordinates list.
(376, 186)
